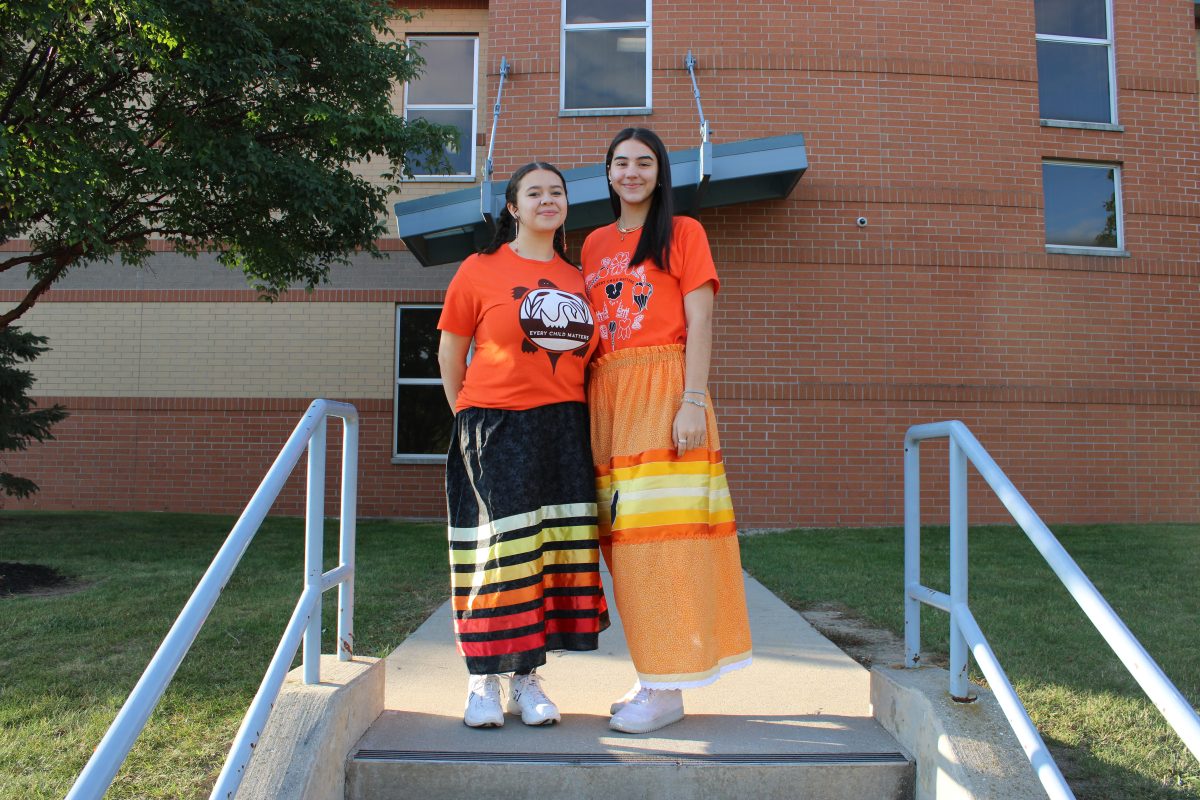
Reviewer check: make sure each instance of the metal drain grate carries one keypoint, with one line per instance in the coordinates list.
(572, 759)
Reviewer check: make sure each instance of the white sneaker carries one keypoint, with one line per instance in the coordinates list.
(483, 702)
(649, 710)
(525, 697)
(632, 693)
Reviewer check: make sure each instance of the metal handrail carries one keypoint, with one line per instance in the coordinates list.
(965, 634)
(309, 433)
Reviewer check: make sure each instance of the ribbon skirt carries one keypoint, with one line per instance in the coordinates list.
(524, 555)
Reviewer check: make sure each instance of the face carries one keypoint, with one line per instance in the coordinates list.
(633, 172)
(541, 201)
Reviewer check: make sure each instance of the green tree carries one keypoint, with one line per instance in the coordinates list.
(226, 125)
(20, 422)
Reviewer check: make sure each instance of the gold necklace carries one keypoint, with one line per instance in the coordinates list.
(626, 231)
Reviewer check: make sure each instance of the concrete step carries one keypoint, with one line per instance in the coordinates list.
(796, 723)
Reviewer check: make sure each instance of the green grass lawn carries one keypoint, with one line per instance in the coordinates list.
(1109, 740)
(68, 661)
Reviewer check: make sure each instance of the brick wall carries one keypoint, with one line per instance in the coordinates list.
(209, 454)
(1078, 373)
(215, 349)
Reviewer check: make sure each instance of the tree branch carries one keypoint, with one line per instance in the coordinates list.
(23, 78)
(16, 261)
(62, 261)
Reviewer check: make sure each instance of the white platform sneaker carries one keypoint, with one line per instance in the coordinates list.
(483, 702)
(525, 697)
(648, 710)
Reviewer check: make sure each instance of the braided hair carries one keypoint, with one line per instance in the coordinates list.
(506, 224)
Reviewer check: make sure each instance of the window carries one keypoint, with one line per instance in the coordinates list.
(422, 419)
(605, 64)
(1076, 67)
(1083, 207)
(446, 93)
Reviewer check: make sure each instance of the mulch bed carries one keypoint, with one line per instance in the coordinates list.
(20, 578)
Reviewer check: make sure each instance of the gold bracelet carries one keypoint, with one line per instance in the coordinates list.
(694, 402)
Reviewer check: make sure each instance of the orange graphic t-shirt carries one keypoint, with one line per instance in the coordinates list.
(533, 330)
(637, 305)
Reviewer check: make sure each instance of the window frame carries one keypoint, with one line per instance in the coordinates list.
(1081, 41)
(564, 27)
(397, 381)
(470, 177)
(1083, 250)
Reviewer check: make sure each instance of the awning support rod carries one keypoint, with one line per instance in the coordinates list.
(705, 163)
(689, 63)
(485, 194)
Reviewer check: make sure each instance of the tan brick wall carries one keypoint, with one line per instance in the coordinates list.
(216, 349)
(441, 20)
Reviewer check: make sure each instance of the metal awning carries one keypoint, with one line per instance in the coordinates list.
(447, 228)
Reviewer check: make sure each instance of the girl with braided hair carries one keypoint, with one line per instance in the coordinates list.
(520, 494)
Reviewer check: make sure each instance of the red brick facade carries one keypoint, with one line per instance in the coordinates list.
(209, 455)
(1079, 373)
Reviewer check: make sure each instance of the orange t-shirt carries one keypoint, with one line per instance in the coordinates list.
(533, 330)
(637, 305)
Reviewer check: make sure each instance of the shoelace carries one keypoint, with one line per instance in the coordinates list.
(487, 689)
(643, 696)
(533, 689)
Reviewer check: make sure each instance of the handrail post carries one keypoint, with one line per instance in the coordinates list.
(348, 532)
(314, 557)
(960, 687)
(912, 551)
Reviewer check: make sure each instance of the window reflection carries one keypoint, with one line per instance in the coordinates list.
(444, 94)
(1076, 71)
(448, 74)
(1081, 205)
(423, 420)
(1073, 82)
(422, 416)
(419, 343)
(605, 69)
(461, 153)
(1082, 18)
(585, 11)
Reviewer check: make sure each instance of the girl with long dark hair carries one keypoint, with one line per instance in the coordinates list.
(666, 521)
(520, 493)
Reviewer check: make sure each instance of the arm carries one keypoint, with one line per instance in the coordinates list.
(690, 421)
(452, 361)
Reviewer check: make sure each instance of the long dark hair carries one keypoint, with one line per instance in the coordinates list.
(655, 243)
(506, 224)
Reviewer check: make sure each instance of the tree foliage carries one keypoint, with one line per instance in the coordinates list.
(213, 124)
(20, 421)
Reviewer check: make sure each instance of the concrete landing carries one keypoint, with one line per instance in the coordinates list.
(796, 723)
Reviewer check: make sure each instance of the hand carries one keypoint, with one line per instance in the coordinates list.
(689, 429)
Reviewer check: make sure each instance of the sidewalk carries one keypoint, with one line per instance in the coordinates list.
(802, 702)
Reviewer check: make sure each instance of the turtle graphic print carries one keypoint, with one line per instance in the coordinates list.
(554, 322)
(627, 293)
